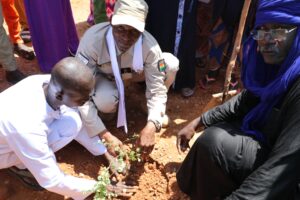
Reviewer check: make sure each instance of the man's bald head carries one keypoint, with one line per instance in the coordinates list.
(72, 74)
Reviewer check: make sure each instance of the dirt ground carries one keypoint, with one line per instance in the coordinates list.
(156, 177)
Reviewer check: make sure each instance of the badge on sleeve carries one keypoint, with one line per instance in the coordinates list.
(161, 65)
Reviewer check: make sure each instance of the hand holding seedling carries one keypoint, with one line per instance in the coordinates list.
(114, 143)
(120, 163)
(104, 189)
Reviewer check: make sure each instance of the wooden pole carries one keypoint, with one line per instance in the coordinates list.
(236, 48)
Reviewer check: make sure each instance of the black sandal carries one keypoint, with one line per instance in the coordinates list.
(24, 51)
(26, 177)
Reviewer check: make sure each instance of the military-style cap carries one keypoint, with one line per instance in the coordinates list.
(130, 12)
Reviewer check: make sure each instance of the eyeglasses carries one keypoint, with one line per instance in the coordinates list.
(277, 34)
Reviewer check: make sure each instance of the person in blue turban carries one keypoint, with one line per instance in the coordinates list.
(250, 148)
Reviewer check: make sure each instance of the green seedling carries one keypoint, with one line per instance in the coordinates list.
(135, 155)
(132, 155)
(100, 189)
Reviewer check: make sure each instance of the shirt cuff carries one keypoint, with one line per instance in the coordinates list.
(156, 116)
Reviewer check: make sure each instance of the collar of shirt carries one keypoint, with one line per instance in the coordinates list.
(55, 114)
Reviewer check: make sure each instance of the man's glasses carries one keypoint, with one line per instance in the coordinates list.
(276, 34)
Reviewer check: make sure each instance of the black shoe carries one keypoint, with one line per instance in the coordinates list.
(187, 92)
(14, 76)
(26, 177)
(24, 51)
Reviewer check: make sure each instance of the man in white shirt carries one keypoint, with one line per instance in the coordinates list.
(39, 116)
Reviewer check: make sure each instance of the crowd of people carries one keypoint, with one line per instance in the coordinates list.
(249, 148)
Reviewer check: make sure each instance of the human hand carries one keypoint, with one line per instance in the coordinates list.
(147, 138)
(117, 165)
(113, 143)
(120, 189)
(185, 134)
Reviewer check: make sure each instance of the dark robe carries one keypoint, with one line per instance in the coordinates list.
(162, 23)
(226, 163)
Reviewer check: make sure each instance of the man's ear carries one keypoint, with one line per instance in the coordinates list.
(59, 95)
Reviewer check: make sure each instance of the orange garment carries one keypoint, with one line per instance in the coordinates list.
(11, 17)
(19, 4)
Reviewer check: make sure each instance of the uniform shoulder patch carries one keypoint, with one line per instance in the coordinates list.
(161, 65)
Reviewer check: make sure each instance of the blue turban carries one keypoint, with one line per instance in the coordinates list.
(270, 83)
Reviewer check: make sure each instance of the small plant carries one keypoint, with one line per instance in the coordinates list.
(132, 154)
(135, 155)
(120, 165)
(100, 189)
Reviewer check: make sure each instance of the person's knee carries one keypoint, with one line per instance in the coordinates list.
(107, 104)
(74, 123)
(69, 124)
(211, 140)
(106, 97)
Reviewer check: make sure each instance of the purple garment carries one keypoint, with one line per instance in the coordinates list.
(90, 18)
(52, 29)
(265, 81)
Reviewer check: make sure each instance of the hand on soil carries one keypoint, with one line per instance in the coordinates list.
(120, 189)
(187, 133)
(184, 136)
(147, 139)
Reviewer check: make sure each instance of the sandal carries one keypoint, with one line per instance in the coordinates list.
(234, 86)
(234, 83)
(24, 51)
(26, 177)
(209, 78)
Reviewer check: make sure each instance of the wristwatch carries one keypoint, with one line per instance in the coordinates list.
(156, 124)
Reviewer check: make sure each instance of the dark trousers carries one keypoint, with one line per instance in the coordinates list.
(219, 161)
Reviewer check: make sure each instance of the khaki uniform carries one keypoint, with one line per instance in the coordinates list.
(93, 51)
(7, 59)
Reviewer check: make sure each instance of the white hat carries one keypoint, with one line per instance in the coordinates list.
(130, 12)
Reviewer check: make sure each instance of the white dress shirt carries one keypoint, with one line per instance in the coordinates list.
(31, 131)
